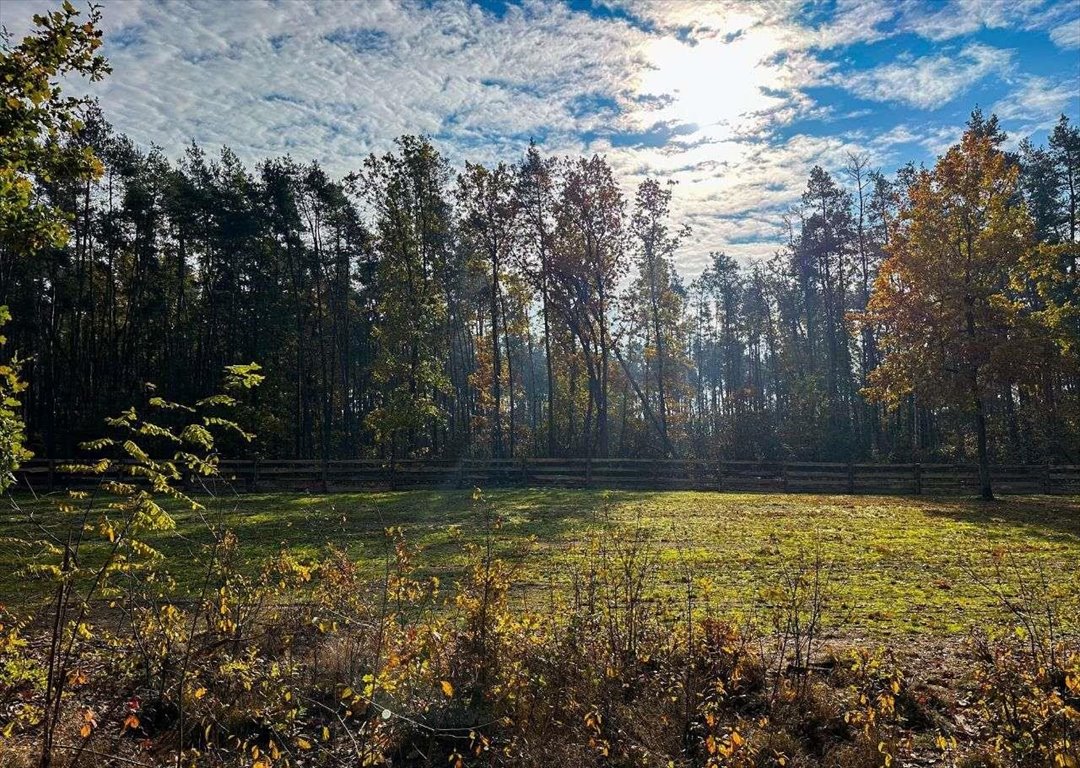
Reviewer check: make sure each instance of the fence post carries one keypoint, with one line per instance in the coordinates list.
(783, 477)
(255, 475)
(918, 479)
(850, 476)
(1046, 480)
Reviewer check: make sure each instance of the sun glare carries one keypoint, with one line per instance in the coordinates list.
(712, 82)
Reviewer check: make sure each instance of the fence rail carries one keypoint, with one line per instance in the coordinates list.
(641, 474)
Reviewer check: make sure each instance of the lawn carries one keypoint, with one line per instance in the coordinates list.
(896, 565)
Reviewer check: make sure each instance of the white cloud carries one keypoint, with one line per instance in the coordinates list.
(1067, 34)
(1036, 102)
(949, 20)
(711, 95)
(927, 82)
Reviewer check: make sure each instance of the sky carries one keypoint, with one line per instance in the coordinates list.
(733, 100)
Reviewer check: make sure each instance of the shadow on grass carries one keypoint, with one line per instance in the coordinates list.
(1051, 518)
(439, 522)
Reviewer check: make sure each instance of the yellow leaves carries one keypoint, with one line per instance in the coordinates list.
(945, 744)
(134, 451)
(725, 747)
(447, 689)
(303, 743)
(262, 758)
(243, 376)
(200, 692)
(199, 435)
(592, 720)
(369, 686)
(143, 549)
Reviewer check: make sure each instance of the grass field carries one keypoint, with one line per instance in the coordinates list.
(897, 565)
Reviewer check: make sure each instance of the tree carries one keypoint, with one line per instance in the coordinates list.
(489, 212)
(1064, 148)
(413, 238)
(948, 327)
(590, 260)
(536, 200)
(12, 429)
(36, 119)
(654, 298)
(1041, 185)
(826, 244)
(37, 123)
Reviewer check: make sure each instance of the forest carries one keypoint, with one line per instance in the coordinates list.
(532, 308)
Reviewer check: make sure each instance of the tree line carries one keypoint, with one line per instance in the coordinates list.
(533, 309)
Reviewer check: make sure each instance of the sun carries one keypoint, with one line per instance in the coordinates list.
(709, 83)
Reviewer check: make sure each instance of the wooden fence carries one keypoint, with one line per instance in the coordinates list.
(641, 474)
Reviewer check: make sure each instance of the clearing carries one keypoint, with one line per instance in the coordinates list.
(896, 565)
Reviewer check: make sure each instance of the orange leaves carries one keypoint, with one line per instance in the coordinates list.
(131, 722)
(89, 723)
(131, 719)
(593, 721)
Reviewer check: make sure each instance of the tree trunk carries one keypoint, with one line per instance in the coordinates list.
(549, 365)
(985, 491)
(496, 362)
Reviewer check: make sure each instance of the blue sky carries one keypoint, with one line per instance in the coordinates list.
(733, 100)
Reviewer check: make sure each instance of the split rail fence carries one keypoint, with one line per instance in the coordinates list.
(639, 474)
